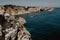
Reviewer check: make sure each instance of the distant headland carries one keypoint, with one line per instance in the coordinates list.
(22, 9)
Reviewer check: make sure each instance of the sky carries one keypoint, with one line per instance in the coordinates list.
(45, 3)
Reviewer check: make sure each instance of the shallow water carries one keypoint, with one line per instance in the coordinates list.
(44, 25)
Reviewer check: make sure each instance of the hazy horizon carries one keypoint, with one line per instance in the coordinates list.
(45, 3)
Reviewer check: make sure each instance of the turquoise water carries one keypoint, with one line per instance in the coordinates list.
(44, 25)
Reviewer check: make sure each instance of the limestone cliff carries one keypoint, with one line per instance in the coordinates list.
(17, 10)
(13, 29)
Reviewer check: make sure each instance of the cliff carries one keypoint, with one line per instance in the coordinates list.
(17, 10)
(12, 28)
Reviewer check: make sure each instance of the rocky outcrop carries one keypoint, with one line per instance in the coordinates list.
(14, 29)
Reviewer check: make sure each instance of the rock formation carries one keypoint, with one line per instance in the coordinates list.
(12, 28)
(23, 10)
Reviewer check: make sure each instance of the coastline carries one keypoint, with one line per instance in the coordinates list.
(24, 10)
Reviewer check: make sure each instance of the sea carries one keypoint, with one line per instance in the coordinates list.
(44, 25)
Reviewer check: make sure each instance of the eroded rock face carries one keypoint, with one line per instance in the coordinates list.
(14, 29)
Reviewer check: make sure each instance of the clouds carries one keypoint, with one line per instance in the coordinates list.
(49, 3)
